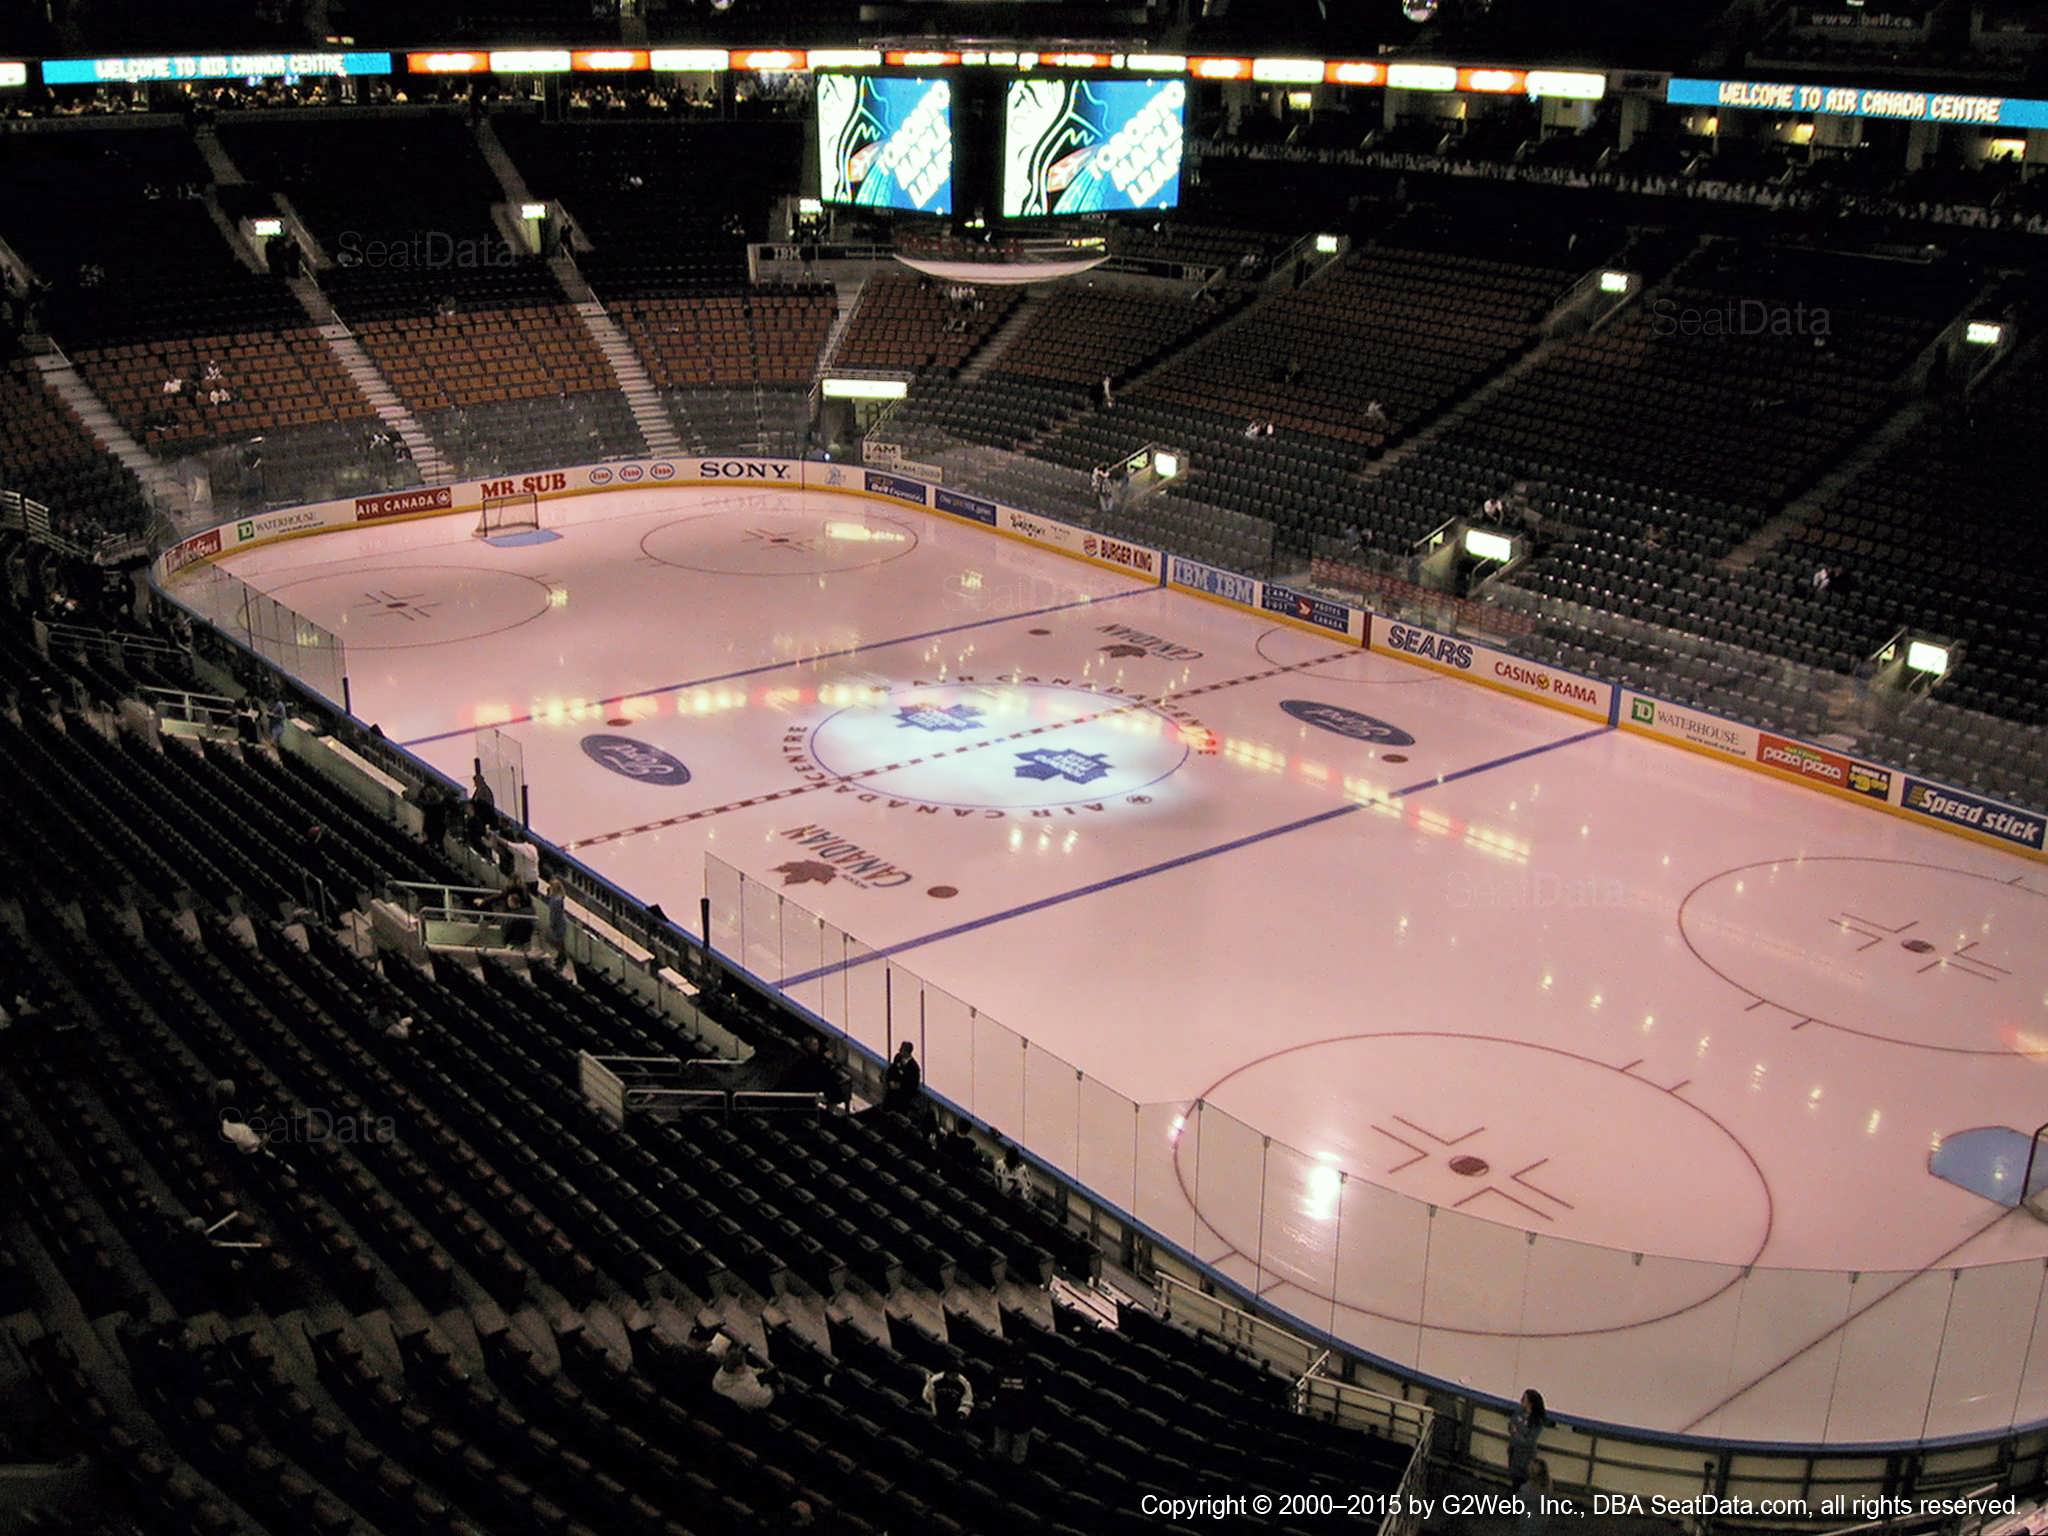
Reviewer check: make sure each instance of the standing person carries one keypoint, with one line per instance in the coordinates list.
(1535, 1488)
(1015, 1408)
(903, 1081)
(483, 809)
(433, 801)
(1526, 1423)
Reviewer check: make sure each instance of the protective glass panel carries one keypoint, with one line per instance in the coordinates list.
(1890, 1347)
(1788, 1344)
(1166, 1171)
(761, 930)
(804, 937)
(1298, 1229)
(722, 887)
(2032, 1404)
(998, 1077)
(1473, 1298)
(1230, 1194)
(1984, 1349)
(1634, 1334)
(502, 761)
(1052, 1110)
(1382, 1257)
(867, 998)
(948, 1047)
(1106, 1157)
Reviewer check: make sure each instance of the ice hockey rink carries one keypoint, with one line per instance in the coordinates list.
(1507, 1047)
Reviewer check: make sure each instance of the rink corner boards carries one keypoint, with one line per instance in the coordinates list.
(1725, 740)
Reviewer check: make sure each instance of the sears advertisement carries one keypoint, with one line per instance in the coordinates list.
(1091, 146)
(886, 142)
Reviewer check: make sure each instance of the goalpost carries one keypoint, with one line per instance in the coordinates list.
(508, 514)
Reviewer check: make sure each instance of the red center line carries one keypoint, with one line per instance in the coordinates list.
(1134, 703)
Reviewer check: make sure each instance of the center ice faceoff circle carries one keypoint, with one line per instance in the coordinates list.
(1003, 745)
(767, 536)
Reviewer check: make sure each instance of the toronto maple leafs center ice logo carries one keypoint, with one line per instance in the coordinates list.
(1059, 763)
(931, 717)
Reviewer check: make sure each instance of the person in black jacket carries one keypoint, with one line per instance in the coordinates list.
(1014, 1411)
(903, 1082)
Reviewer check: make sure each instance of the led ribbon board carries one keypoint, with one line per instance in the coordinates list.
(1858, 101)
(1092, 146)
(212, 66)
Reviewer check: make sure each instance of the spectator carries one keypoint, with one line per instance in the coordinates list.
(1015, 1409)
(1013, 1173)
(1376, 416)
(1821, 578)
(903, 1080)
(739, 1383)
(950, 1397)
(1525, 1427)
(174, 385)
(433, 804)
(1535, 1489)
(399, 1028)
(1108, 394)
(483, 811)
(240, 1135)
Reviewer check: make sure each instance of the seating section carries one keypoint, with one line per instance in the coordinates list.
(915, 324)
(114, 221)
(666, 207)
(762, 335)
(48, 457)
(264, 380)
(1404, 328)
(1938, 534)
(470, 357)
(1053, 364)
(475, 1187)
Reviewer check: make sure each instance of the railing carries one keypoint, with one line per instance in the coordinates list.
(206, 709)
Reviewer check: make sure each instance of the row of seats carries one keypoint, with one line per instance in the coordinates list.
(269, 380)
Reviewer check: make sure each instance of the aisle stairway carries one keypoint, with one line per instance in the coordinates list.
(369, 378)
(162, 487)
(649, 415)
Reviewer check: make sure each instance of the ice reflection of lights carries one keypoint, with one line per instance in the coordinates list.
(1173, 1131)
(1870, 1125)
(558, 597)
(861, 533)
(493, 714)
(1324, 1189)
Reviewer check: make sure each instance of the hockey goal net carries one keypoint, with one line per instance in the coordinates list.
(508, 514)
(2034, 1176)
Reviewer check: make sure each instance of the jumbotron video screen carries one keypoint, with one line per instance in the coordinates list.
(886, 141)
(1091, 146)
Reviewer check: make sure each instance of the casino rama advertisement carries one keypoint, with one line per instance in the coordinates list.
(1496, 669)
